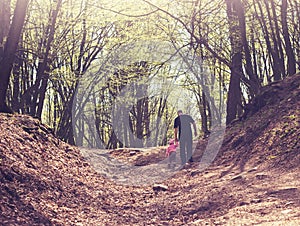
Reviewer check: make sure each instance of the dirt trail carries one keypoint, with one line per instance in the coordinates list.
(145, 166)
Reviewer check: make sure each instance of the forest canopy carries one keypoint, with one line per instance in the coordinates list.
(71, 62)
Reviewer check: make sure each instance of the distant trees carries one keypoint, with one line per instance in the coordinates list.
(34, 63)
(45, 53)
(258, 35)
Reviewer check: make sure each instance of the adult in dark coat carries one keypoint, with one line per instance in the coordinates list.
(183, 131)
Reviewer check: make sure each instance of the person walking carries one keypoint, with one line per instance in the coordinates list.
(171, 153)
(183, 131)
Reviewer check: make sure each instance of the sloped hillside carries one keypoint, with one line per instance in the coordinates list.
(43, 180)
(254, 180)
(268, 133)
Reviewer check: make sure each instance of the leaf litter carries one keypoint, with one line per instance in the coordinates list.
(253, 180)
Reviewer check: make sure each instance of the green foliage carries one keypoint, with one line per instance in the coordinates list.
(186, 44)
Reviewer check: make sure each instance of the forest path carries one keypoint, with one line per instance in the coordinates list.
(133, 166)
(218, 195)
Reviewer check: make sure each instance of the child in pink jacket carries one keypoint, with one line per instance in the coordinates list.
(171, 153)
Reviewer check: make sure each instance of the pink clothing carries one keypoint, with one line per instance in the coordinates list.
(172, 148)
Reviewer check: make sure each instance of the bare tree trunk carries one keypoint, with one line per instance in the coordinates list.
(254, 85)
(278, 39)
(10, 48)
(4, 23)
(234, 93)
(291, 67)
(65, 128)
(66, 123)
(17, 75)
(271, 52)
(139, 126)
(147, 119)
(160, 111)
(204, 121)
(277, 56)
(44, 72)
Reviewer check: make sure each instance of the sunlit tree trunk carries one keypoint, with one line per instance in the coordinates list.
(234, 93)
(254, 84)
(291, 65)
(9, 52)
(204, 121)
(44, 71)
(277, 38)
(4, 23)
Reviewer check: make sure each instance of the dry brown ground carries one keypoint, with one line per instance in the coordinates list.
(253, 181)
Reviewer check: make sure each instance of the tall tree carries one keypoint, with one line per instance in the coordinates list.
(43, 69)
(253, 82)
(10, 48)
(234, 93)
(291, 61)
(4, 23)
